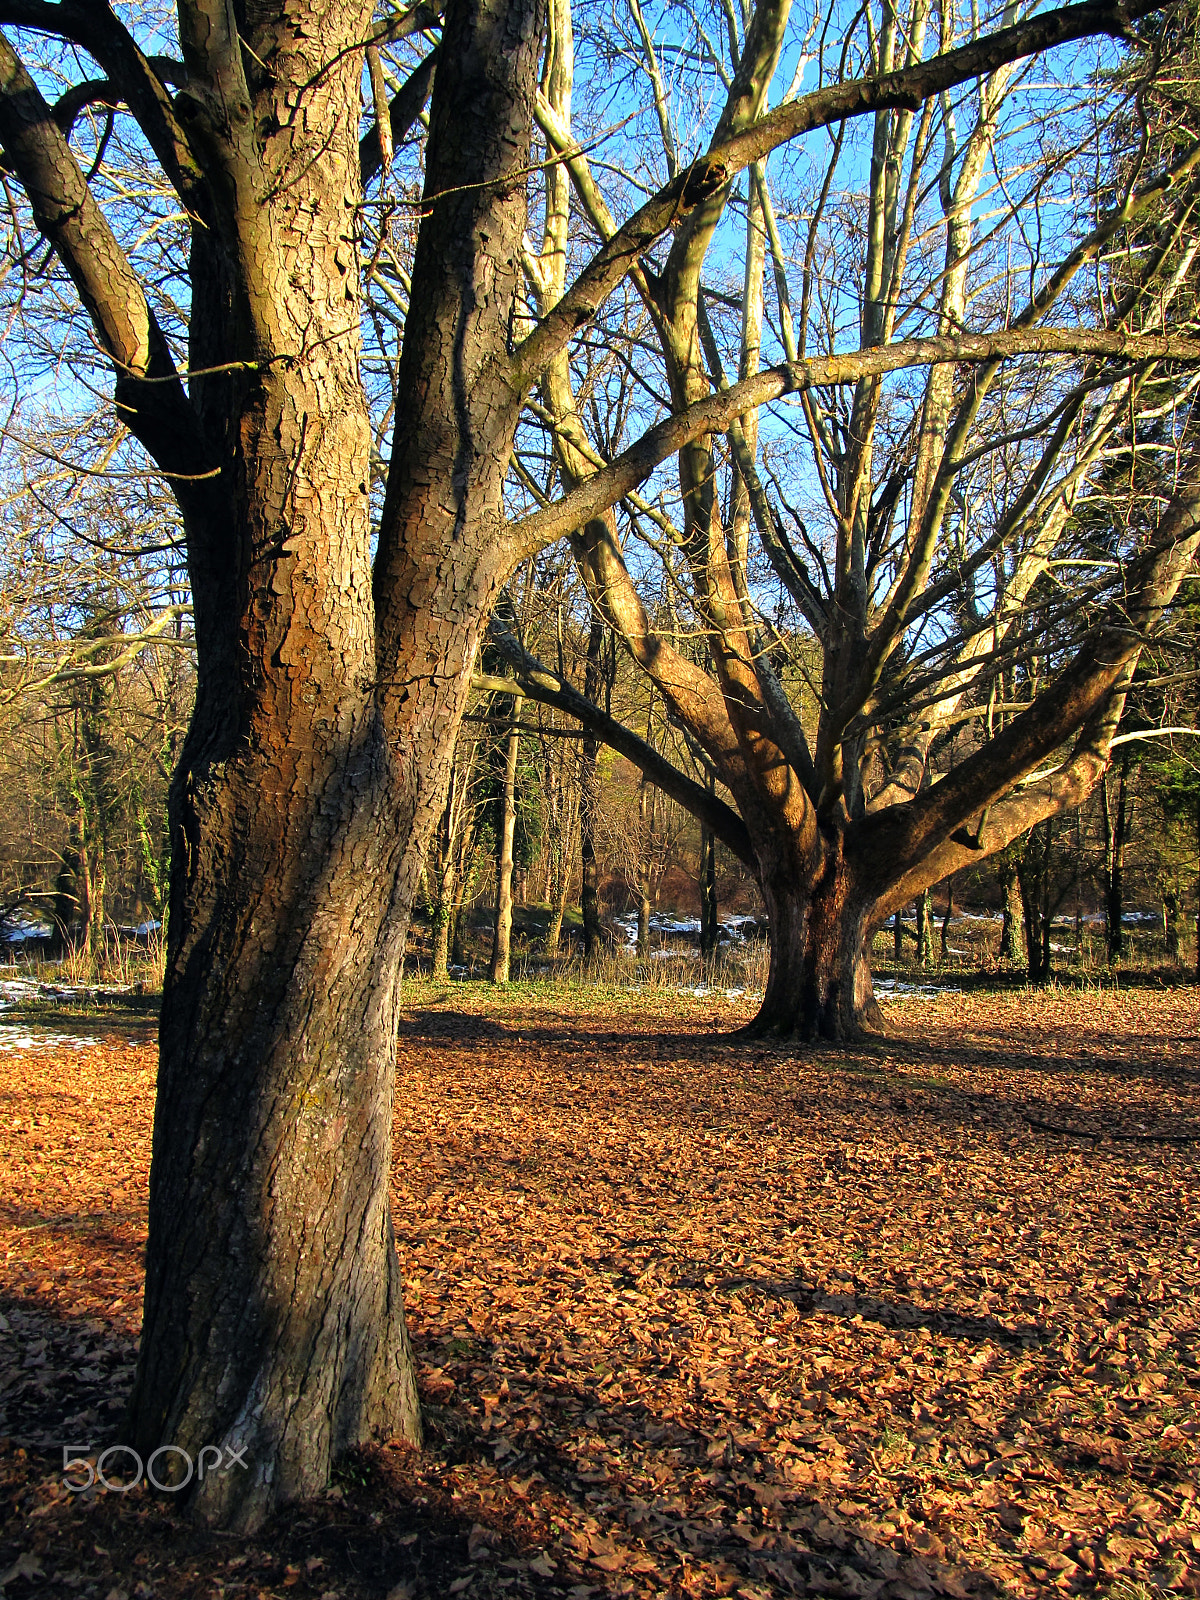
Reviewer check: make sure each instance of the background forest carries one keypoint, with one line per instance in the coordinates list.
(604, 867)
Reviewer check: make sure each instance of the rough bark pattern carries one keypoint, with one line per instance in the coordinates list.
(316, 764)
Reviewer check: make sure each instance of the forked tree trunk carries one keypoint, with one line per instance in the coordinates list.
(316, 764)
(819, 984)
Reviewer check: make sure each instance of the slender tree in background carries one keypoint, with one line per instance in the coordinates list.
(506, 832)
(333, 396)
(1118, 798)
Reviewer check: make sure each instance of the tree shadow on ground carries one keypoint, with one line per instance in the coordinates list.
(393, 1525)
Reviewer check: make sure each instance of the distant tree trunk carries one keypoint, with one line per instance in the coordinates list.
(946, 918)
(709, 925)
(589, 801)
(1034, 876)
(1173, 925)
(443, 901)
(644, 865)
(1011, 920)
(65, 905)
(94, 888)
(1118, 823)
(898, 935)
(1048, 908)
(558, 907)
(502, 927)
(924, 928)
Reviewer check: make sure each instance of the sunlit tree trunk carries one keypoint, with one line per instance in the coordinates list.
(505, 835)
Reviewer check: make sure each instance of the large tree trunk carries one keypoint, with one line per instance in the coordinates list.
(819, 984)
(316, 764)
(277, 1055)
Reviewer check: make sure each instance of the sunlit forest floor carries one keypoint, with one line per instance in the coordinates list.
(694, 1315)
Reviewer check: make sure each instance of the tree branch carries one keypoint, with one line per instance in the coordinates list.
(1079, 695)
(548, 688)
(407, 104)
(719, 411)
(149, 395)
(138, 81)
(704, 178)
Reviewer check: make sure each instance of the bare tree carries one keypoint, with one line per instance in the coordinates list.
(975, 633)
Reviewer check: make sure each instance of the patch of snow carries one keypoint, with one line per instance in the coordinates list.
(894, 989)
(13, 1038)
(670, 926)
(704, 991)
(14, 990)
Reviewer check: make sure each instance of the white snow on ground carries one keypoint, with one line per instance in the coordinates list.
(13, 991)
(893, 989)
(15, 1038)
(669, 926)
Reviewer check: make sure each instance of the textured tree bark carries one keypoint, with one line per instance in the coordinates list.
(317, 761)
(820, 924)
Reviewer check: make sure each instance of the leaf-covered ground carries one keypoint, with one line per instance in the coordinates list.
(694, 1316)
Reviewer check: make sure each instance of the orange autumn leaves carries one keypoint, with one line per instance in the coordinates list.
(698, 1317)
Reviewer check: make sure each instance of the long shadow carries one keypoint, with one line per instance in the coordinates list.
(767, 1531)
(65, 1382)
(895, 1076)
(391, 1519)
